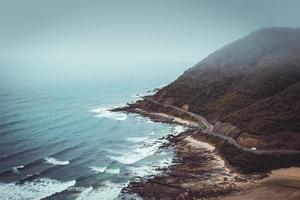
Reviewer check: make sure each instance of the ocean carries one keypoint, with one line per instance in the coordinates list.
(58, 139)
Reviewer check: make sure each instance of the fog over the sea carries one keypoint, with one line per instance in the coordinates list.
(87, 33)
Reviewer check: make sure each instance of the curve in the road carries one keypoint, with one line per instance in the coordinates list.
(207, 128)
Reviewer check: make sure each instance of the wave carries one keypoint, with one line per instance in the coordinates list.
(142, 119)
(140, 153)
(23, 167)
(108, 191)
(54, 161)
(113, 171)
(149, 92)
(11, 123)
(105, 112)
(98, 169)
(29, 178)
(137, 95)
(15, 154)
(106, 170)
(84, 192)
(150, 170)
(16, 169)
(140, 95)
(148, 149)
(164, 162)
(34, 190)
(178, 129)
(142, 171)
(66, 150)
(11, 131)
(137, 139)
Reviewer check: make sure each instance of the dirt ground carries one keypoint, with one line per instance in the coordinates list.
(282, 184)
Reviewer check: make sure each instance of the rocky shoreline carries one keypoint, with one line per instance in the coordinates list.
(202, 167)
(243, 159)
(197, 172)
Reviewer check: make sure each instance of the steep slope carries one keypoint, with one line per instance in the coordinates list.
(252, 83)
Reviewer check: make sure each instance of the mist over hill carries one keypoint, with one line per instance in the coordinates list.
(252, 83)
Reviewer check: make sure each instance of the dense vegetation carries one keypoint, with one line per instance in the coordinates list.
(252, 83)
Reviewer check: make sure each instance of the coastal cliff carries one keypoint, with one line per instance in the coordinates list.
(252, 84)
(244, 99)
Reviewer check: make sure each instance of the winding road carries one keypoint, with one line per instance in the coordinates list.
(207, 128)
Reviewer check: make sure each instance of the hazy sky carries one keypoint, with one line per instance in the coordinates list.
(90, 31)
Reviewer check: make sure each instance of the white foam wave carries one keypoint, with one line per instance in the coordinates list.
(178, 129)
(109, 191)
(113, 171)
(16, 169)
(137, 139)
(105, 169)
(138, 95)
(137, 154)
(84, 193)
(104, 112)
(144, 171)
(161, 86)
(98, 169)
(54, 161)
(34, 190)
(143, 119)
(164, 162)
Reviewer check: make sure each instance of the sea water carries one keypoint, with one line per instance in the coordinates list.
(59, 139)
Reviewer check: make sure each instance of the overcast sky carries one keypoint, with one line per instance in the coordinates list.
(90, 31)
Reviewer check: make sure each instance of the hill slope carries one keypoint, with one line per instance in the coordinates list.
(252, 83)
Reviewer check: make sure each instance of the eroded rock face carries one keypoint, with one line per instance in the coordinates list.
(197, 172)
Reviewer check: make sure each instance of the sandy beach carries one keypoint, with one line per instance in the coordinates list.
(282, 184)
